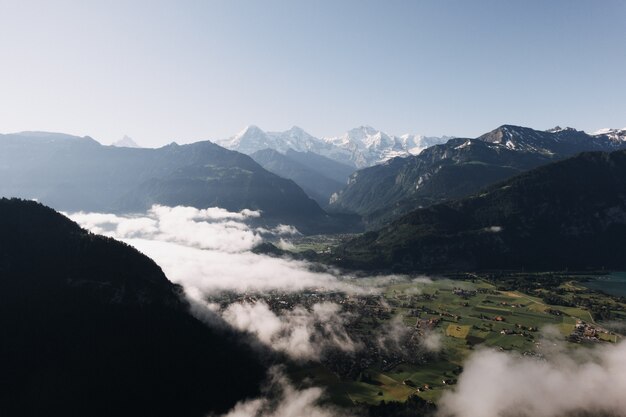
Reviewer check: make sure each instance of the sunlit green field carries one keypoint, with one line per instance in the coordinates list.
(507, 320)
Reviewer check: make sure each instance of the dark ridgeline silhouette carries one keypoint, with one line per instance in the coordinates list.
(566, 215)
(91, 327)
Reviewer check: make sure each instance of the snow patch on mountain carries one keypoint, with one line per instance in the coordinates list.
(558, 129)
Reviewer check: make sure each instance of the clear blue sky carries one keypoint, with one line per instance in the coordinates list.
(191, 70)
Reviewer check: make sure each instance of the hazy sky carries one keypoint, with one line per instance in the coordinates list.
(191, 70)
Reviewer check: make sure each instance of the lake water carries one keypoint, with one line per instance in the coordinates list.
(614, 284)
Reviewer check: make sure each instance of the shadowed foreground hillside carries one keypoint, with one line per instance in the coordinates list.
(91, 327)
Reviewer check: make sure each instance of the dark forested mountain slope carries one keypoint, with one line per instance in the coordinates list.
(318, 176)
(91, 327)
(566, 215)
(71, 173)
(458, 168)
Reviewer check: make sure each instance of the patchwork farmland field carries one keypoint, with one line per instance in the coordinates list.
(461, 315)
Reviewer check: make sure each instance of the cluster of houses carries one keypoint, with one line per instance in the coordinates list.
(464, 293)
(585, 332)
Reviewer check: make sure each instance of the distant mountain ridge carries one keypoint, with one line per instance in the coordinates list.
(360, 147)
(569, 214)
(458, 168)
(317, 175)
(556, 141)
(72, 174)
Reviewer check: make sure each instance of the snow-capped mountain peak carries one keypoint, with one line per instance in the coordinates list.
(297, 131)
(362, 132)
(618, 135)
(362, 137)
(248, 140)
(253, 139)
(126, 142)
(557, 129)
(296, 138)
(249, 133)
(250, 130)
(370, 146)
(360, 147)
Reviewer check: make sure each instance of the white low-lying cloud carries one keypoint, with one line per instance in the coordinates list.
(582, 382)
(300, 333)
(284, 400)
(209, 250)
(203, 272)
(432, 342)
(394, 336)
(213, 228)
(280, 230)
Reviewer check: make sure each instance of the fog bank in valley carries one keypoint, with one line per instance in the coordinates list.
(209, 252)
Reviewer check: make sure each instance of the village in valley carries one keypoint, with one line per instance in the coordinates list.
(413, 334)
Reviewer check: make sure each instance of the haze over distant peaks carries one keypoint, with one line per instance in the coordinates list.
(360, 147)
(126, 142)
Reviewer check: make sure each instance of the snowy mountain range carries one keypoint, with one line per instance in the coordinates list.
(360, 147)
(618, 135)
(369, 146)
(460, 167)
